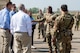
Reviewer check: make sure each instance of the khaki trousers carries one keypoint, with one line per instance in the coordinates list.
(22, 43)
(5, 40)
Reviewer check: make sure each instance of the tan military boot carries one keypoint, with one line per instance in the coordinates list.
(50, 51)
(39, 36)
(55, 51)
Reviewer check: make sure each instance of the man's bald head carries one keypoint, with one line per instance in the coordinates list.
(21, 7)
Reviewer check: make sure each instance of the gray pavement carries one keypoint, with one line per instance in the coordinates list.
(42, 47)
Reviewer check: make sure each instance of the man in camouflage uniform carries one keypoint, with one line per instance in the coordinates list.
(77, 19)
(40, 24)
(49, 18)
(49, 22)
(62, 30)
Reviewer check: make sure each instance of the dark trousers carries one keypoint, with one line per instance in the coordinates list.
(12, 43)
(33, 27)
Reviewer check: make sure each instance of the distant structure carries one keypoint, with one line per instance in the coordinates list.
(3, 3)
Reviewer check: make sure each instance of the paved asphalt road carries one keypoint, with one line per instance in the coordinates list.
(42, 47)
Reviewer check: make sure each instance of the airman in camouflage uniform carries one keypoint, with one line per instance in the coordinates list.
(77, 19)
(49, 19)
(40, 24)
(62, 30)
(49, 23)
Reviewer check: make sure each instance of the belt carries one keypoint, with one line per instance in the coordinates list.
(4, 29)
(20, 32)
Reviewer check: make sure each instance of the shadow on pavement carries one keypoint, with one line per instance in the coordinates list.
(40, 50)
(38, 42)
(75, 41)
(76, 37)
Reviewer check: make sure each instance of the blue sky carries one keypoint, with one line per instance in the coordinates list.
(72, 4)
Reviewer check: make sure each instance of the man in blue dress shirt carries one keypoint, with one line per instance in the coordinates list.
(5, 28)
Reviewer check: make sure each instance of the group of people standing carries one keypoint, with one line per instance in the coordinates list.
(19, 26)
(15, 29)
(77, 20)
(57, 29)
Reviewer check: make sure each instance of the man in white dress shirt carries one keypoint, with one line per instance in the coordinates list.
(21, 28)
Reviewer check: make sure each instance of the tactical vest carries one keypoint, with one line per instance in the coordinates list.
(65, 22)
(49, 22)
(40, 16)
(64, 26)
